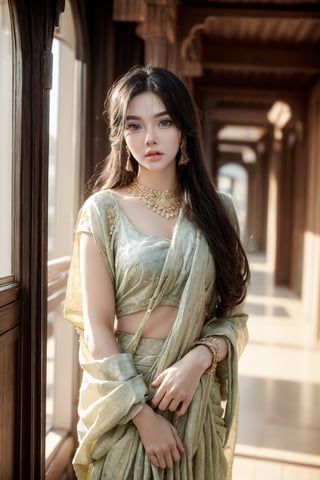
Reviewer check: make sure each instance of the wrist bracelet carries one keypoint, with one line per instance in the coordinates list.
(214, 347)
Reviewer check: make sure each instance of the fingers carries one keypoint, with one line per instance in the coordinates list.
(167, 397)
(166, 458)
(159, 437)
(182, 409)
(170, 395)
(157, 381)
(162, 460)
(175, 405)
(157, 399)
(161, 392)
(178, 442)
(162, 399)
(165, 402)
(171, 401)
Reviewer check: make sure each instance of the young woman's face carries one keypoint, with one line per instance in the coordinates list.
(150, 134)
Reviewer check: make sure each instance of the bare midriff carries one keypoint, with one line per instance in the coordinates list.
(158, 325)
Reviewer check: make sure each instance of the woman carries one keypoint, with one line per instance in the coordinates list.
(157, 280)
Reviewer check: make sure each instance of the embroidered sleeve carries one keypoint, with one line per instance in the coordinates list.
(111, 220)
(92, 218)
(83, 223)
(98, 217)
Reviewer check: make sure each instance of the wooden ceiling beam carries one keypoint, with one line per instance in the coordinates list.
(258, 58)
(230, 157)
(239, 116)
(239, 143)
(197, 14)
(262, 96)
(259, 98)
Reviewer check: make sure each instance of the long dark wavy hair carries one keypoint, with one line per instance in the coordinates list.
(203, 205)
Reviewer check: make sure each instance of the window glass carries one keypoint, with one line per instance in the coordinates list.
(52, 312)
(63, 204)
(5, 140)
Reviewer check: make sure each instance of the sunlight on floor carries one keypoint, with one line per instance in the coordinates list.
(279, 428)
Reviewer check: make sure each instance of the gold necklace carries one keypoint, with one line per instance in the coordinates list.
(166, 204)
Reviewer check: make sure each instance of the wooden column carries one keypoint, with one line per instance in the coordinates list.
(129, 10)
(33, 24)
(155, 25)
(249, 239)
(311, 258)
(264, 156)
(275, 155)
(255, 219)
(299, 206)
(158, 32)
(254, 231)
(284, 217)
(291, 208)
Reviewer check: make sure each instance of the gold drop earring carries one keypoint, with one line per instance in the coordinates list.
(128, 164)
(184, 158)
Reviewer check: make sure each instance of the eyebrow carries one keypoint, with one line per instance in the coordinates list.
(157, 115)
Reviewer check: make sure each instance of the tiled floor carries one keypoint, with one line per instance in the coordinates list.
(279, 429)
(250, 469)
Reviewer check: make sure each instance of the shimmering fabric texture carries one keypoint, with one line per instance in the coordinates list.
(114, 389)
(135, 259)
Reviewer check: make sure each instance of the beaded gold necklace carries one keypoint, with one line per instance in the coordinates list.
(166, 204)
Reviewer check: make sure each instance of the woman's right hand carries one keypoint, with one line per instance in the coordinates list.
(159, 438)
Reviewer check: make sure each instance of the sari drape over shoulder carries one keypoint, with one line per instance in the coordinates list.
(115, 389)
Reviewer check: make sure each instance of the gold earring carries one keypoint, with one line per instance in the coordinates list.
(184, 158)
(128, 164)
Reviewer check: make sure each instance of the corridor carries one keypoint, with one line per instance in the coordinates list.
(279, 429)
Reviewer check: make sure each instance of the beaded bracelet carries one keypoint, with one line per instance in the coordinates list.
(214, 347)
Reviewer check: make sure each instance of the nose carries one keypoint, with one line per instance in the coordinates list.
(150, 138)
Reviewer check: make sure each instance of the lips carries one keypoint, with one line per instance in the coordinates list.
(153, 153)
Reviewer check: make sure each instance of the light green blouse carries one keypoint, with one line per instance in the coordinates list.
(133, 258)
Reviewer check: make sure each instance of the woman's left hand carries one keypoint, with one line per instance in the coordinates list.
(178, 383)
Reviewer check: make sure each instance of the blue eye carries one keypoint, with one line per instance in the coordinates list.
(165, 123)
(133, 127)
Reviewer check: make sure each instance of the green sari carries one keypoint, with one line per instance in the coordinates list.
(115, 389)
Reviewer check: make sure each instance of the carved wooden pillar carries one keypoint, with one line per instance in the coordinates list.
(260, 219)
(275, 156)
(263, 149)
(155, 25)
(280, 115)
(254, 212)
(291, 204)
(284, 223)
(158, 32)
(249, 239)
(156, 51)
(129, 10)
(299, 205)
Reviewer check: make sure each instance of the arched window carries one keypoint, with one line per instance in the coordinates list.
(5, 142)
(66, 114)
